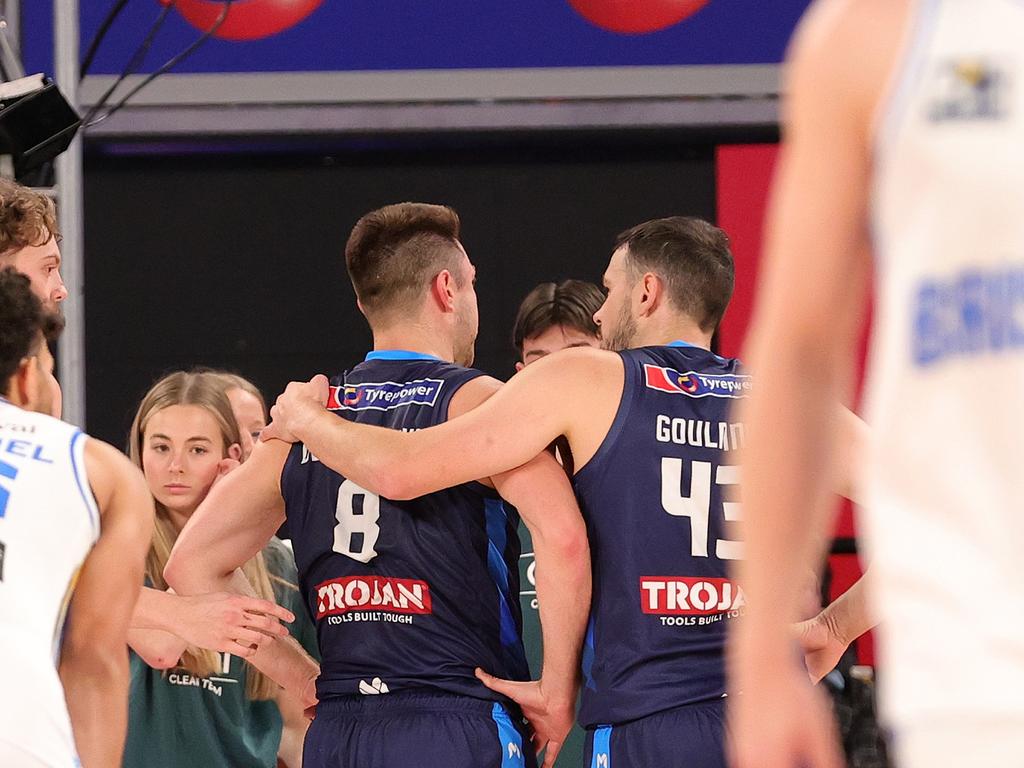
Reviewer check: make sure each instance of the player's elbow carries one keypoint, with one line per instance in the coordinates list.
(564, 542)
(176, 571)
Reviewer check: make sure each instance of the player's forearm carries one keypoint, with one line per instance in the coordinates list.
(850, 615)
(96, 689)
(786, 487)
(377, 459)
(563, 579)
(156, 609)
(281, 659)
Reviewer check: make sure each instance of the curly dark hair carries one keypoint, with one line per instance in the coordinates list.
(21, 320)
(27, 218)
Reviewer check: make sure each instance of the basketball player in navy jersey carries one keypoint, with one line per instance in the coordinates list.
(654, 448)
(410, 597)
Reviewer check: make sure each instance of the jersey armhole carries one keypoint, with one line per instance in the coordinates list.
(77, 449)
(906, 72)
(630, 384)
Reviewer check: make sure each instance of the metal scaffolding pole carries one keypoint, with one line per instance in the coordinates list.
(70, 215)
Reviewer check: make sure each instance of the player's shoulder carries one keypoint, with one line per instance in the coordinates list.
(18, 420)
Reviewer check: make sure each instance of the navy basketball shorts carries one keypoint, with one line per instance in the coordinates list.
(426, 730)
(685, 737)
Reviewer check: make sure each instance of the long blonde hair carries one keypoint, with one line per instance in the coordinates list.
(207, 391)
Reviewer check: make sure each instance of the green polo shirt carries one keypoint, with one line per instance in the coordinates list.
(176, 720)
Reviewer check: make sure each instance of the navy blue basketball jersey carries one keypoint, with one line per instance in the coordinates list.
(660, 502)
(405, 594)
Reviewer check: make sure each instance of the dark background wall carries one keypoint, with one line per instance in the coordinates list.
(235, 260)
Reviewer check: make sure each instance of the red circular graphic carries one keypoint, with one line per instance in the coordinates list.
(247, 19)
(636, 17)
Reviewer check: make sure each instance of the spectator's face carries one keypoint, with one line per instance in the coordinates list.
(41, 265)
(553, 339)
(249, 415)
(182, 448)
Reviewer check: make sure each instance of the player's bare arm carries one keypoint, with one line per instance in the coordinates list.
(233, 523)
(94, 658)
(507, 431)
(806, 326)
(541, 492)
(164, 624)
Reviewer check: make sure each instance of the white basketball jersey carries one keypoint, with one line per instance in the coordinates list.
(48, 523)
(945, 487)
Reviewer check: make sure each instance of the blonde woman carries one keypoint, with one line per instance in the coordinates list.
(194, 700)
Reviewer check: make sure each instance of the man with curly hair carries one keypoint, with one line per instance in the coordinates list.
(29, 241)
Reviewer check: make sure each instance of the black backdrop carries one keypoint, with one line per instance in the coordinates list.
(234, 260)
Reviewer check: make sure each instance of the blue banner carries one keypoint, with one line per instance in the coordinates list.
(359, 35)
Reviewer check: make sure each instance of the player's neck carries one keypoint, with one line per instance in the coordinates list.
(658, 334)
(414, 338)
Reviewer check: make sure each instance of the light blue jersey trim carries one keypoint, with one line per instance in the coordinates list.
(400, 354)
(83, 486)
(511, 740)
(688, 345)
(497, 539)
(602, 748)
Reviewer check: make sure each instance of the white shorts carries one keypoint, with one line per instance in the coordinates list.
(961, 742)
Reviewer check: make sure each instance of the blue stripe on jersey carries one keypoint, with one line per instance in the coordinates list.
(497, 540)
(588, 655)
(602, 748)
(399, 354)
(87, 497)
(511, 740)
(6, 470)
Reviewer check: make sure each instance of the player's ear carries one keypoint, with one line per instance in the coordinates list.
(442, 290)
(651, 293)
(520, 366)
(24, 382)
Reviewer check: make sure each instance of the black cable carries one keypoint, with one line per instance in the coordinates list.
(133, 64)
(101, 33)
(168, 65)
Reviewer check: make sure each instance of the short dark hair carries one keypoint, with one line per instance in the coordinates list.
(21, 320)
(692, 256)
(570, 303)
(394, 251)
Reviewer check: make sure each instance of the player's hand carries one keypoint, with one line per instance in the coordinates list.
(295, 406)
(551, 720)
(821, 645)
(777, 719)
(230, 623)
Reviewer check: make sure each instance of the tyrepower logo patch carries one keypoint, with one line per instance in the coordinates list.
(384, 396)
(694, 384)
(357, 593)
(682, 596)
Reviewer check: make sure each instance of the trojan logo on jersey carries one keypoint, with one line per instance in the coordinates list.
(682, 596)
(380, 593)
(384, 396)
(968, 89)
(694, 384)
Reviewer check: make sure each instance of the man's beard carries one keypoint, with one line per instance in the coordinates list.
(622, 334)
(465, 346)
